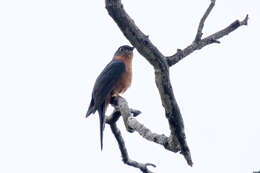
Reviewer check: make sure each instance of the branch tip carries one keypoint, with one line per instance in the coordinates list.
(135, 112)
(150, 164)
(215, 41)
(202, 21)
(187, 156)
(245, 21)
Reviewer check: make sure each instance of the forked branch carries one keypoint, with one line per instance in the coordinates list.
(121, 108)
(162, 78)
(199, 43)
(202, 21)
(177, 139)
(111, 120)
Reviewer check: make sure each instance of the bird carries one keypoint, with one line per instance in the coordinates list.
(115, 79)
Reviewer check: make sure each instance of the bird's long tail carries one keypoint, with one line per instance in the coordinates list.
(101, 112)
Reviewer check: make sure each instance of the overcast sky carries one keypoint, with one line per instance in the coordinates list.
(51, 52)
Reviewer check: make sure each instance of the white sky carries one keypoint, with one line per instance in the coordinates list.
(51, 52)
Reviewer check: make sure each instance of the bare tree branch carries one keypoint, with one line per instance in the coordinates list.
(144, 131)
(121, 108)
(200, 43)
(177, 139)
(202, 21)
(124, 153)
(111, 120)
(162, 79)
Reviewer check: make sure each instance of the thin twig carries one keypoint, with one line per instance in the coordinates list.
(124, 153)
(196, 45)
(202, 21)
(111, 120)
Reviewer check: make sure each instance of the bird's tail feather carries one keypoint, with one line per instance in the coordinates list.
(101, 112)
(91, 108)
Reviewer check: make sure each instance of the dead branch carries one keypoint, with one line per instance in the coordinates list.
(111, 120)
(202, 21)
(177, 139)
(200, 43)
(132, 123)
(162, 79)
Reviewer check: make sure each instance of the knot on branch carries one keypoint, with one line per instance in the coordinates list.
(179, 53)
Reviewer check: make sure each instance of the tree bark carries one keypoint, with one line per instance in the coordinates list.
(161, 64)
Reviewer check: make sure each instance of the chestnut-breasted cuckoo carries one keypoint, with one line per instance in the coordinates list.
(112, 81)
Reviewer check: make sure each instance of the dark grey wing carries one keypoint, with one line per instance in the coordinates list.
(102, 88)
(107, 80)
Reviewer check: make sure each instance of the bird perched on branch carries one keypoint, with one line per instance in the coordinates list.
(113, 80)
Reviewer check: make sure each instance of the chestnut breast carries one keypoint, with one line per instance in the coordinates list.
(125, 81)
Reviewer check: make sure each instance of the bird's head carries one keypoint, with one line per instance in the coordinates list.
(124, 51)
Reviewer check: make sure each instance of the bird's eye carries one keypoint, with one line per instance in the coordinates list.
(120, 49)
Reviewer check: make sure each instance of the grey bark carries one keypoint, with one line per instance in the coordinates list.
(177, 138)
(111, 120)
